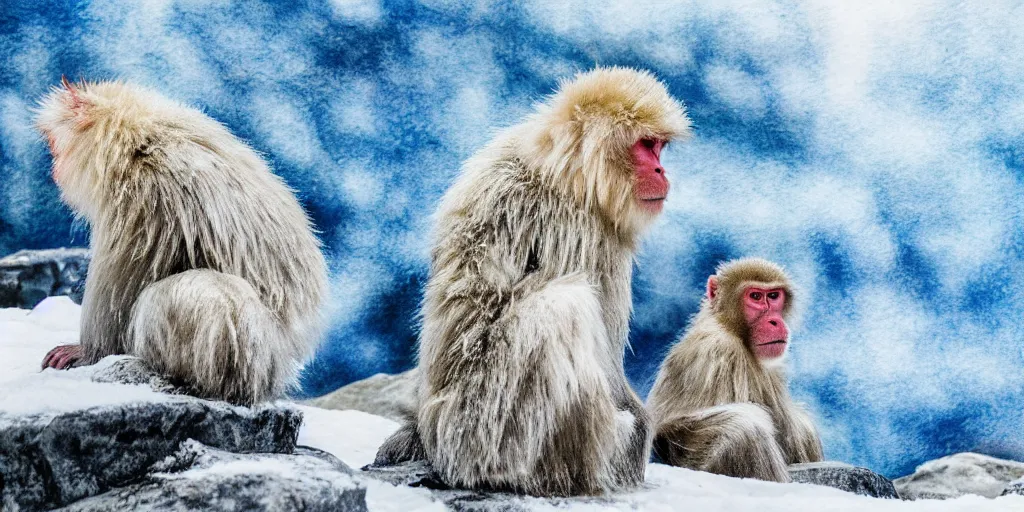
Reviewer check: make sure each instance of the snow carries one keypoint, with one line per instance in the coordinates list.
(354, 437)
(363, 433)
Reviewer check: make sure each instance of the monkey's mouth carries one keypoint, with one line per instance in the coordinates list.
(776, 342)
(653, 199)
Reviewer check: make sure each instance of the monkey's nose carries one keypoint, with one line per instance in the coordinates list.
(659, 170)
(773, 322)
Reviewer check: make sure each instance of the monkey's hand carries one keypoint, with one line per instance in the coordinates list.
(63, 357)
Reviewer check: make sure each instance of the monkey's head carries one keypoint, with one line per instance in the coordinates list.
(599, 140)
(100, 134)
(753, 298)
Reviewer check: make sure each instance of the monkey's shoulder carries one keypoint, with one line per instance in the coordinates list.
(504, 194)
(707, 341)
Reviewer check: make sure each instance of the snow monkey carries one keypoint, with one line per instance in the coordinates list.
(204, 264)
(526, 310)
(720, 402)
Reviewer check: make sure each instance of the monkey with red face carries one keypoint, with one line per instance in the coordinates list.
(720, 402)
(526, 312)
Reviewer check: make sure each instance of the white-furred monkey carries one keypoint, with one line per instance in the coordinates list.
(526, 312)
(204, 264)
(720, 402)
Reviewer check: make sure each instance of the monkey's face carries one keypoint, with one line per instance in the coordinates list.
(650, 186)
(763, 311)
(59, 120)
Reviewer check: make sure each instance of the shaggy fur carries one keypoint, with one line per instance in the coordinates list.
(204, 263)
(526, 312)
(716, 407)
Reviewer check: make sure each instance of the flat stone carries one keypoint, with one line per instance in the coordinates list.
(47, 461)
(960, 474)
(197, 477)
(133, 371)
(844, 477)
(390, 396)
(421, 474)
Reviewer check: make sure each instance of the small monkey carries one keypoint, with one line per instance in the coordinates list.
(526, 312)
(204, 264)
(720, 402)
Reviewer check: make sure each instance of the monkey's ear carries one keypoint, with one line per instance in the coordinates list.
(75, 101)
(712, 287)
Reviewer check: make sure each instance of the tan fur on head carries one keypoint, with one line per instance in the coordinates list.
(582, 134)
(735, 276)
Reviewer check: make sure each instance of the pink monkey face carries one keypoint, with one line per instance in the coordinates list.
(651, 185)
(762, 309)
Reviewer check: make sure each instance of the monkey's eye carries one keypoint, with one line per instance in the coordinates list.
(755, 295)
(648, 143)
(773, 295)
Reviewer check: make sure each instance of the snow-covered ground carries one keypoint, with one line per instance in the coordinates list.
(353, 436)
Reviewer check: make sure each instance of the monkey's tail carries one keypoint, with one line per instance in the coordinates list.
(210, 331)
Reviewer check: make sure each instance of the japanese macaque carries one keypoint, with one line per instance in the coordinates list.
(526, 311)
(720, 402)
(204, 264)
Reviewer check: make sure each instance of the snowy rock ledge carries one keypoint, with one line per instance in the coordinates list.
(104, 438)
(960, 474)
(28, 277)
(53, 454)
(843, 476)
(201, 478)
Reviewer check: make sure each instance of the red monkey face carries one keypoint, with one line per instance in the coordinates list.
(762, 309)
(651, 185)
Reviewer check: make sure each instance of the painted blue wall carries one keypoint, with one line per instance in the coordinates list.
(873, 150)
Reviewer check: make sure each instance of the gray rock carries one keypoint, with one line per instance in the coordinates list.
(391, 396)
(844, 477)
(197, 477)
(960, 474)
(1014, 488)
(28, 277)
(52, 461)
(421, 474)
(133, 371)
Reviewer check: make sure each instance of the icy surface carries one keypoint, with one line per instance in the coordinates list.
(354, 437)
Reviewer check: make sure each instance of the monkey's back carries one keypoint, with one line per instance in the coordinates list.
(499, 229)
(198, 198)
(502, 236)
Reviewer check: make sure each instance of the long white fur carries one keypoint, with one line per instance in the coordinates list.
(526, 313)
(204, 263)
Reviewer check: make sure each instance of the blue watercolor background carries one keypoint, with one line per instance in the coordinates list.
(874, 149)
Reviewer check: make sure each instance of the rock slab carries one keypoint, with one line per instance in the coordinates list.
(48, 462)
(421, 474)
(201, 478)
(844, 477)
(28, 277)
(960, 474)
(390, 396)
